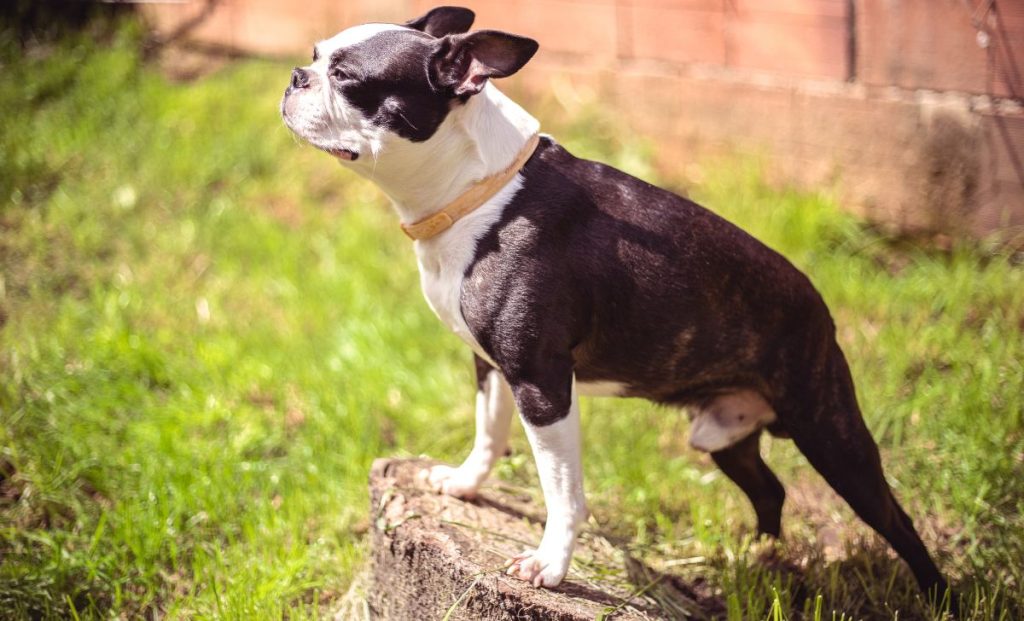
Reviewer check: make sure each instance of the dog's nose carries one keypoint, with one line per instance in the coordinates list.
(300, 79)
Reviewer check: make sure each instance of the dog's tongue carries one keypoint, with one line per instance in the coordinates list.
(344, 154)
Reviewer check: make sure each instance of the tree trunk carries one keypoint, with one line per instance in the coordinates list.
(433, 554)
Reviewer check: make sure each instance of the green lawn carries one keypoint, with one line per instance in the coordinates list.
(210, 330)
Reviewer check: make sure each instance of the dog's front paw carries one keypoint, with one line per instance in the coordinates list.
(461, 482)
(539, 568)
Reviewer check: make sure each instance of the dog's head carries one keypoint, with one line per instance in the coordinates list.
(374, 84)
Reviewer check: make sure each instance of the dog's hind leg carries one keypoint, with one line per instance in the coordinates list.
(829, 430)
(742, 463)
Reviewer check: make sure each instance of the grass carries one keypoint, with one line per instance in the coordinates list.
(209, 331)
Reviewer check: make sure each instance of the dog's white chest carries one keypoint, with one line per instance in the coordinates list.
(443, 261)
(442, 287)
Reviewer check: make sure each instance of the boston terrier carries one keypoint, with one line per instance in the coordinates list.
(569, 277)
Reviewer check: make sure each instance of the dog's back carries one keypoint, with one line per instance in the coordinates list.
(654, 292)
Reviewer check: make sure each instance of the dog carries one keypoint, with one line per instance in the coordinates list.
(568, 277)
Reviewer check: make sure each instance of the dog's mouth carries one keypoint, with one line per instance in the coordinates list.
(344, 154)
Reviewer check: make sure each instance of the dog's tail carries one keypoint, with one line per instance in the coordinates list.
(831, 433)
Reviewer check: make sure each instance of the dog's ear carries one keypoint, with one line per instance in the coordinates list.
(463, 63)
(443, 20)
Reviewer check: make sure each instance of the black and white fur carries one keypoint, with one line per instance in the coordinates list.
(576, 278)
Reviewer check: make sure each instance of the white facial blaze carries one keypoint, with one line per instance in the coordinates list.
(343, 116)
(352, 36)
(320, 115)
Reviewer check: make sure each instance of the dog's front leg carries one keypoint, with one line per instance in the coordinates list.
(553, 429)
(494, 406)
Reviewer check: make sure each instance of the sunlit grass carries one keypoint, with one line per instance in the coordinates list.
(211, 331)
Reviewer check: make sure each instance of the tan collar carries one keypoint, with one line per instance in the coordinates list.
(478, 194)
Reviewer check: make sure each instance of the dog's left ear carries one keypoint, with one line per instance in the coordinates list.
(443, 20)
(463, 63)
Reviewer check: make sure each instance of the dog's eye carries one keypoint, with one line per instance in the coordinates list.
(338, 74)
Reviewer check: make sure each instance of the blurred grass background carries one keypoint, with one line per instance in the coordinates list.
(209, 331)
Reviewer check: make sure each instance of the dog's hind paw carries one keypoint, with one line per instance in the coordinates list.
(537, 568)
(461, 482)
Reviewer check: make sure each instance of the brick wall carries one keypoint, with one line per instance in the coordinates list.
(913, 107)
